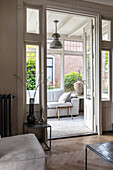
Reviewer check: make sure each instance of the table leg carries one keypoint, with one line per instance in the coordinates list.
(50, 137)
(58, 114)
(86, 158)
(71, 112)
(23, 129)
(68, 111)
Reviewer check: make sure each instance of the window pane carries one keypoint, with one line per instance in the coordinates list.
(105, 75)
(50, 62)
(72, 71)
(49, 71)
(48, 43)
(106, 30)
(53, 71)
(49, 75)
(32, 72)
(73, 46)
(88, 67)
(32, 21)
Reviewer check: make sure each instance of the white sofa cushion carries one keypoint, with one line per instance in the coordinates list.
(64, 97)
(52, 105)
(54, 94)
(22, 152)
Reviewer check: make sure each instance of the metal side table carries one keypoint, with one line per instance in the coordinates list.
(37, 126)
(103, 150)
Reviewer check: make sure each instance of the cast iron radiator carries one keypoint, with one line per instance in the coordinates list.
(6, 102)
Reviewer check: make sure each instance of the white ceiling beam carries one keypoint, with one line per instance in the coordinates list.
(49, 16)
(72, 53)
(64, 22)
(77, 28)
(29, 14)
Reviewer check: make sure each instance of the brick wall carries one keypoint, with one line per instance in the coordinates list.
(71, 63)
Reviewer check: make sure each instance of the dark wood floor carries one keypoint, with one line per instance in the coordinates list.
(69, 154)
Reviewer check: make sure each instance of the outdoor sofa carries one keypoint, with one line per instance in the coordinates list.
(53, 101)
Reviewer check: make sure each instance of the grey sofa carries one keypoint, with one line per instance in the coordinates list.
(52, 101)
(22, 152)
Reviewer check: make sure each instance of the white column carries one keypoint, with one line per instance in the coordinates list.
(37, 73)
(62, 67)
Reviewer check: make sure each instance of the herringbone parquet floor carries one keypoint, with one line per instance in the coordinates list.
(69, 154)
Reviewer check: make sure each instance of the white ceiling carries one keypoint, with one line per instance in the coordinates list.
(69, 25)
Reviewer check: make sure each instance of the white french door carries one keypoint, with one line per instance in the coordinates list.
(88, 76)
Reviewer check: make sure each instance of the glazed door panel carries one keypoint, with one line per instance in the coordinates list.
(88, 75)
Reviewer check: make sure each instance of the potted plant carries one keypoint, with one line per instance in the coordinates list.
(31, 118)
(79, 84)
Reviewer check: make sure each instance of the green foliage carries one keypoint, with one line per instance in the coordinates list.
(70, 79)
(31, 70)
(106, 61)
(105, 78)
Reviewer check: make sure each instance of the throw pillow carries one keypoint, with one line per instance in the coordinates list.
(72, 95)
(64, 97)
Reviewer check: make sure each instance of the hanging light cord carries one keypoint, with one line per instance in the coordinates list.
(55, 21)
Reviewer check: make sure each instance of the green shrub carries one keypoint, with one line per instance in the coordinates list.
(31, 71)
(70, 79)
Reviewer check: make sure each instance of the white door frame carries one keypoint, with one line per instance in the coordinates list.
(76, 7)
(98, 113)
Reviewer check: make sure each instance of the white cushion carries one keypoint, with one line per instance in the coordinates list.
(64, 97)
(54, 94)
(52, 105)
(22, 152)
(73, 95)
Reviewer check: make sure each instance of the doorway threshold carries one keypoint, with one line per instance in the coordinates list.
(74, 136)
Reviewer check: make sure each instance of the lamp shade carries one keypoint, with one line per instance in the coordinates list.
(56, 44)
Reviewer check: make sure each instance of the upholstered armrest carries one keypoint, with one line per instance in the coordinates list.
(22, 152)
(75, 103)
(75, 100)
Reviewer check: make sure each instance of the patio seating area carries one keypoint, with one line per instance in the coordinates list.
(58, 98)
(67, 126)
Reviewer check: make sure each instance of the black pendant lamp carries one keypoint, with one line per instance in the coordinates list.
(56, 44)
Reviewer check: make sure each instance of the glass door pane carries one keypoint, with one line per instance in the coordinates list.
(88, 76)
(32, 72)
(105, 71)
(88, 65)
